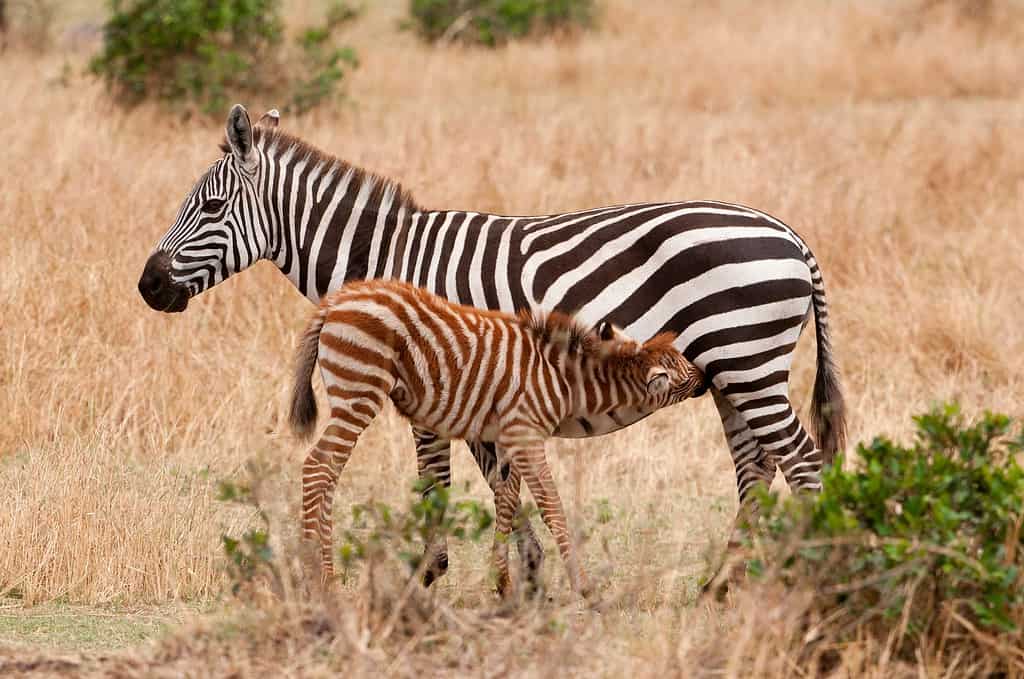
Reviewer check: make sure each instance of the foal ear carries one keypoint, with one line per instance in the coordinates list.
(270, 119)
(605, 331)
(239, 133)
(657, 381)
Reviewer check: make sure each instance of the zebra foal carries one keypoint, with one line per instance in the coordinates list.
(468, 373)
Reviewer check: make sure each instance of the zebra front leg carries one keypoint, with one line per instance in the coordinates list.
(527, 458)
(434, 466)
(531, 553)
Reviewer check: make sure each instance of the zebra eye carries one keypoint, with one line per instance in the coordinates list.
(212, 206)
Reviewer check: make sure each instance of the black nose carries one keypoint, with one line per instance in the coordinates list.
(151, 283)
(155, 276)
(157, 288)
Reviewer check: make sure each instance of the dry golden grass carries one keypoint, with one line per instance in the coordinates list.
(888, 134)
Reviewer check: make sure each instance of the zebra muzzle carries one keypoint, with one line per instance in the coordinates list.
(158, 289)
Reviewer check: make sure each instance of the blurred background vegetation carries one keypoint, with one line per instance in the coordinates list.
(198, 55)
(493, 22)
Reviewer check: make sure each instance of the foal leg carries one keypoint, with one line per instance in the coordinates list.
(351, 412)
(497, 473)
(527, 458)
(433, 462)
(506, 503)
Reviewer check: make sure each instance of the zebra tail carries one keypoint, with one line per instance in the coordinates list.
(828, 408)
(302, 416)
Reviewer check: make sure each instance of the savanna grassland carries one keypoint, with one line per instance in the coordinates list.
(889, 134)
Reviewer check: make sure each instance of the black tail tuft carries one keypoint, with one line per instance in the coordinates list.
(828, 408)
(302, 415)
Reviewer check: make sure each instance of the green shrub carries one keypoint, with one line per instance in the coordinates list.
(380, 535)
(250, 555)
(207, 52)
(493, 22)
(920, 544)
(378, 528)
(322, 64)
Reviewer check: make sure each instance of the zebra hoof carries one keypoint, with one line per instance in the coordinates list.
(438, 568)
(534, 587)
(714, 590)
(531, 559)
(729, 577)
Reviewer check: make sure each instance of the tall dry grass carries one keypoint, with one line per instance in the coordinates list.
(887, 134)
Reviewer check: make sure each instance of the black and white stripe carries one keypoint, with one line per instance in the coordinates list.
(737, 284)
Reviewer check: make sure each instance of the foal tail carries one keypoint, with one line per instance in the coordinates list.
(302, 416)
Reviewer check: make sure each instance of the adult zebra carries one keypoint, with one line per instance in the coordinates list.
(737, 284)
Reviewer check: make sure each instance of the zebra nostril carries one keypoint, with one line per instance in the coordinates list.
(157, 287)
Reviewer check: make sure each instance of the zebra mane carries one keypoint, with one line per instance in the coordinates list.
(281, 142)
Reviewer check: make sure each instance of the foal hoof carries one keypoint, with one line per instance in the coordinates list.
(504, 588)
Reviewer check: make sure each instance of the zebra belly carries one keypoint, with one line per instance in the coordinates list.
(600, 423)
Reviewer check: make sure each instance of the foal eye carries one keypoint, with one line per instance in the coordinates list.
(212, 205)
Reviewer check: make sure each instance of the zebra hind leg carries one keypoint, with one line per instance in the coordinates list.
(754, 470)
(782, 441)
(531, 553)
(790, 446)
(434, 467)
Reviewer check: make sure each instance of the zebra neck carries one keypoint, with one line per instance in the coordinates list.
(330, 222)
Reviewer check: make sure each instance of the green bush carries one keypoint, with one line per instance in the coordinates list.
(493, 22)
(921, 544)
(377, 528)
(379, 535)
(250, 555)
(208, 52)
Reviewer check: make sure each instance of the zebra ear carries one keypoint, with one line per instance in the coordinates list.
(270, 119)
(657, 381)
(239, 131)
(605, 331)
